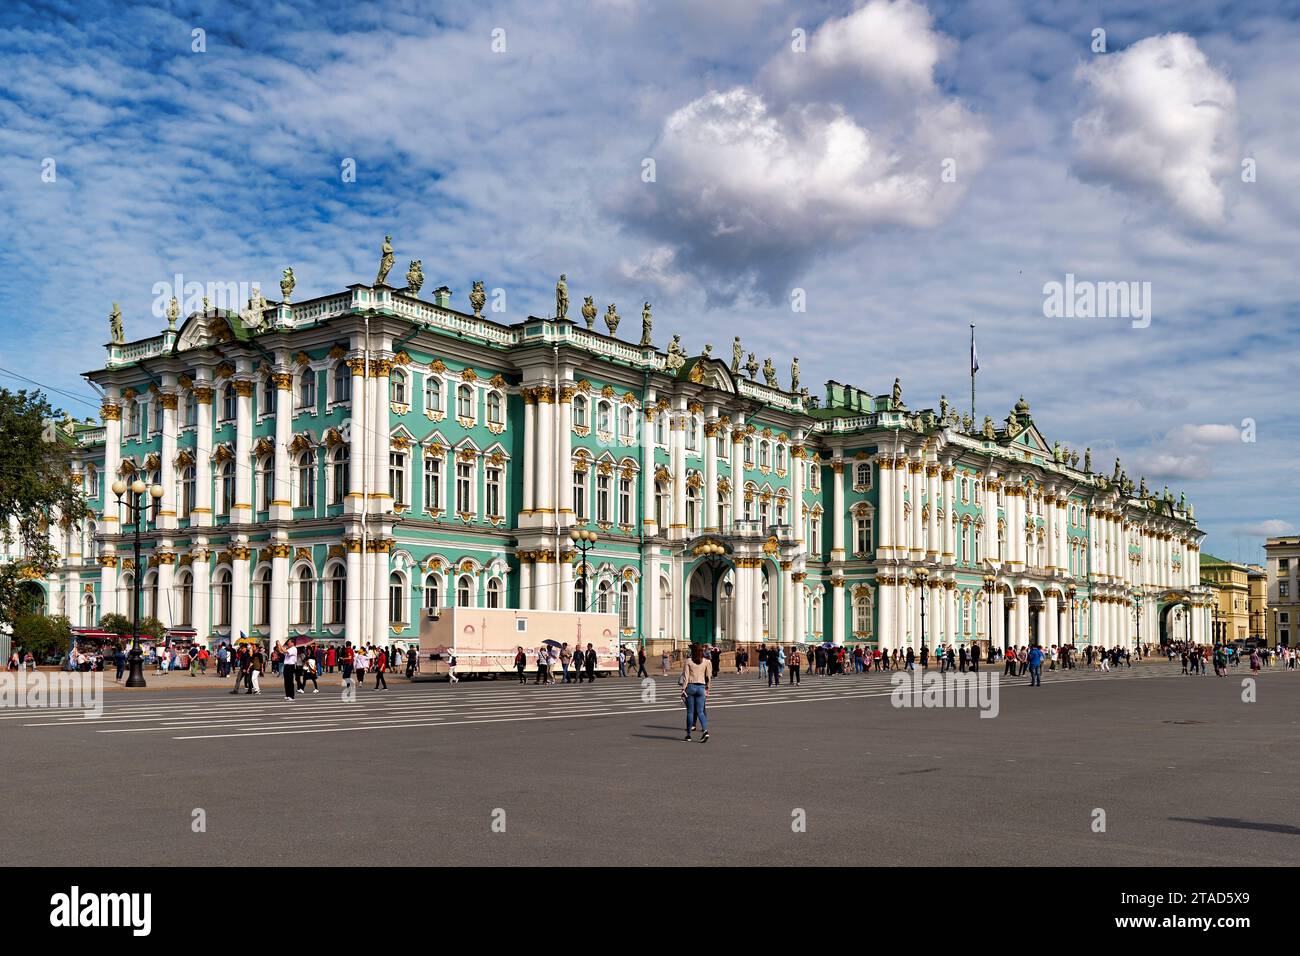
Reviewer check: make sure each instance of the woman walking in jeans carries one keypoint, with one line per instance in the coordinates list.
(695, 691)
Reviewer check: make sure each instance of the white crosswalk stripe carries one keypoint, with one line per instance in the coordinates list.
(203, 715)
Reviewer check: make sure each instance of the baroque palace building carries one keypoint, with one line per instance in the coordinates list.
(332, 468)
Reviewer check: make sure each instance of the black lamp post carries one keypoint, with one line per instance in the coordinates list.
(1070, 593)
(989, 582)
(139, 511)
(585, 540)
(1137, 611)
(921, 577)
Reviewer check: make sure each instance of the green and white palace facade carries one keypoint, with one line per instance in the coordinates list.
(333, 468)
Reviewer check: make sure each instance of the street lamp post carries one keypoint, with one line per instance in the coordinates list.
(1137, 611)
(585, 540)
(921, 577)
(1070, 593)
(989, 582)
(139, 512)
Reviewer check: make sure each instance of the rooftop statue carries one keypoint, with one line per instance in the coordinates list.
(943, 406)
(562, 298)
(646, 322)
(385, 260)
(589, 312)
(676, 354)
(1087, 459)
(736, 353)
(286, 284)
(769, 372)
(989, 433)
(708, 351)
(414, 277)
(751, 366)
(794, 374)
(896, 397)
(173, 312)
(611, 319)
(477, 298)
(116, 330)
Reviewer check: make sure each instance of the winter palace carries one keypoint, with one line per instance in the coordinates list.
(336, 467)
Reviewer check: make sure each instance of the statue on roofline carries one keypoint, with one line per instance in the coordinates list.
(589, 311)
(562, 298)
(646, 323)
(736, 353)
(116, 330)
(477, 298)
(385, 260)
(415, 277)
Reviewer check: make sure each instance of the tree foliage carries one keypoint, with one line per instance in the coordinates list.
(42, 635)
(37, 490)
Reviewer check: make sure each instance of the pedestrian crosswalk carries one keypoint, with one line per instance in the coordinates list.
(209, 715)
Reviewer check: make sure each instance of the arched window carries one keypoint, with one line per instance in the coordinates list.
(692, 508)
(92, 481)
(306, 603)
(817, 614)
(340, 473)
(494, 408)
(862, 615)
(262, 597)
(306, 480)
(88, 611)
(627, 422)
(661, 428)
(338, 585)
(433, 483)
(625, 606)
(494, 592)
(665, 602)
(432, 592)
(397, 476)
(626, 495)
(604, 417)
(396, 602)
(464, 402)
(749, 453)
(579, 411)
(663, 507)
(692, 433)
(604, 593)
(432, 393)
(397, 387)
(221, 591)
(185, 597)
(580, 490)
(764, 455)
(342, 382)
(268, 396)
(191, 410)
(307, 388)
(465, 591)
(151, 594)
(724, 510)
(862, 475)
(92, 542)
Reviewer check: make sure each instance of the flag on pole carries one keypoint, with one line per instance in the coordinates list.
(974, 355)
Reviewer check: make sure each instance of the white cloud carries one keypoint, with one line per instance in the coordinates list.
(1271, 528)
(1161, 121)
(757, 180)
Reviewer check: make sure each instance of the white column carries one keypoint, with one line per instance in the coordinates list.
(990, 518)
(999, 637)
(243, 510)
(837, 605)
(201, 517)
(166, 577)
(566, 583)
(677, 448)
(530, 449)
(949, 512)
(353, 620)
(167, 474)
(885, 512)
(951, 601)
(525, 580)
(738, 470)
(279, 591)
(1052, 633)
(379, 590)
(564, 455)
(915, 470)
(357, 441)
(934, 544)
(837, 514)
(281, 501)
(200, 577)
(800, 609)
(796, 486)
(239, 595)
(380, 444)
(711, 478)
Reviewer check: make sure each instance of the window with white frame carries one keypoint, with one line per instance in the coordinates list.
(188, 487)
(861, 615)
(397, 387)
(396, 599)
(432, 393)
(266, 481)
(494, 592)
(464, 487)
(692, 433)
(815, 535)
(663, 507)
(432, 592)
(602, 497)
(306, 467)
(494, 408)
(465, 591)
(625, 496)
(749, 453)
(625, 606)
(604, 417)
(262, 597)
(862, 532)
(191, 410)
(692, 508)
(221, 590)
(340, 473)
(493, 490)
(579, 411)
(580, 492)
(464, 401)
(342, 378)
(338, 594)
(397, 476)
(627, 422)
(305, 606)
(268, 396)
(432, 483)
(862, 475)
(307, 389)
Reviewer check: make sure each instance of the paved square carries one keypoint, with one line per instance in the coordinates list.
(1186, 773)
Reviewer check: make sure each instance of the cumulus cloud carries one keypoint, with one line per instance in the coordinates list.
(1185, 452)
(1160, 121)
(756, 181)
(1271, 528)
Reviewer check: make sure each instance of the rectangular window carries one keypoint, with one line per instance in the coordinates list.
(464, 488)
(625, 501)
(602, 498)
(580, 495)
(432, 484)
(492, 488)
(397, 477)
(432, 393)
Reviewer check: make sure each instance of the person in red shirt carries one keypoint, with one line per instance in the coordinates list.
(381, 665)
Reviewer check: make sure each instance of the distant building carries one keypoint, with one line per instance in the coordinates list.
(1283, 556)
(1230, 584)
(1258, 602)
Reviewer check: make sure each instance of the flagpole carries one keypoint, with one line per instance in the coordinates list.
(974, 422)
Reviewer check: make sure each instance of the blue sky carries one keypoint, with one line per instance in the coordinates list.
(776, 170)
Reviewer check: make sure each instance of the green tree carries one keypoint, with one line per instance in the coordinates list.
(150, 627)
(36, 488)
(42, 635)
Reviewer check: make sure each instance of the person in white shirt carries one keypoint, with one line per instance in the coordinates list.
(290, 668)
